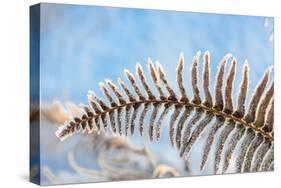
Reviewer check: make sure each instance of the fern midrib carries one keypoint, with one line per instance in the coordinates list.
(193, 105)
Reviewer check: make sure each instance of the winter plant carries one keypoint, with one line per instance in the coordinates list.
(249, 129)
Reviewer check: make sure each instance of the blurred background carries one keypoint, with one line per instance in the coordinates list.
(82, 45)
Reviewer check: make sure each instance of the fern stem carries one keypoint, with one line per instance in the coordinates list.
(193, 105)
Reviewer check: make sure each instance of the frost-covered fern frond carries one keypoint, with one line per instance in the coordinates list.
(250, 129)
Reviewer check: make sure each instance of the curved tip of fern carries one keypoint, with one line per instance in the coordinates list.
(108, 80)
(224, 60)
(119, 80)
(181, 56)
(206, 59)
(149, 64)
(267, 72)
(207, 53)
(101, 85)
(91, 92)
(195, 59)
(246, 67)
(149, 61)
(234, 60)
(246, 63)
(227, 57)
(181, 62)
(269, 69)
(139, 67)
(159, 66)
(91, 95)
(126, 71)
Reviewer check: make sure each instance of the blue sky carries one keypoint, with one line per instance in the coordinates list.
(82, 45)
